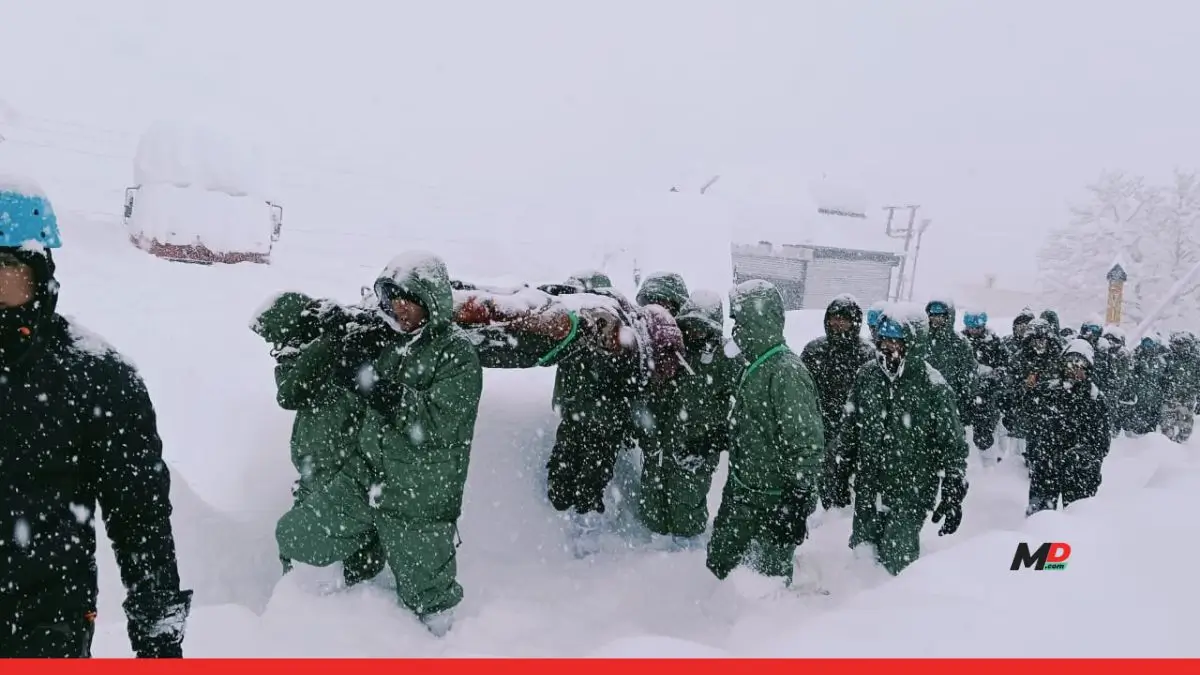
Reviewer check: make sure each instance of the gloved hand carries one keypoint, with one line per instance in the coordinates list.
(384, 395)
(791, 516)
(954, 490)
(156, 623)
(332, 318)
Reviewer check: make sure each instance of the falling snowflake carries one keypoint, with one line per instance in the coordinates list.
(81, 512)
(416, 433)
(22, 533)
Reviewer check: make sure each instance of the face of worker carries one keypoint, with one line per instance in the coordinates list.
(409, 315)
(16, 285)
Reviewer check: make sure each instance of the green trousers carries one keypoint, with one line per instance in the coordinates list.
(742, 535)
(896, 534)
(336, 522)
(674, 487)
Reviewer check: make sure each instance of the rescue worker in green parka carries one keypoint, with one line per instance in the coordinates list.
(594, 391)
(777, 444)
(678, 466)
(900, 441)
(420, 399)
(328, 416)
(952, 355)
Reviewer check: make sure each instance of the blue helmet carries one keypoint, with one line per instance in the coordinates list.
(937, 307)
(975, 319)
(1091, 328)
(890, 329)
(873, 315)
(26, 216)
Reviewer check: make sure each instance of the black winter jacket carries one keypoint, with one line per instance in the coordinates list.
(79, 430)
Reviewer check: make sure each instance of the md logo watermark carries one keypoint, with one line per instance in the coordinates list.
(1051, 555)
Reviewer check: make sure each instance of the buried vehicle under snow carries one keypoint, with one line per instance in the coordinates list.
(196, 199)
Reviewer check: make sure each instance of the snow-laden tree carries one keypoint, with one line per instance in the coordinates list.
(1155, 232)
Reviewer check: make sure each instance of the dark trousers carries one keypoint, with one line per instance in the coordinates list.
(1072, 475)
(582, 462)
(65, 639)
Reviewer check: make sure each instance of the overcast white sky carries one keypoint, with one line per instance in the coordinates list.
(990, 114)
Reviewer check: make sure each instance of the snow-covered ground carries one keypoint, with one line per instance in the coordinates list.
(1127, 591)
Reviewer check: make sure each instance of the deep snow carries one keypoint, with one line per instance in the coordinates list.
(1127, 590)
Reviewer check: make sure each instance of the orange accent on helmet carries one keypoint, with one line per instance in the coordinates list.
(25, 331)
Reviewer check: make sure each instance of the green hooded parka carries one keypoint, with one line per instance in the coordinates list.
(594, 393)
(691, 427)
(954, 357)
(900, 439)
(421, 399)
(777, 443)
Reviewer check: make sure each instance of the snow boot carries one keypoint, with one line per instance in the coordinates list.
(585, 533)
(679, 543)
(439, 623)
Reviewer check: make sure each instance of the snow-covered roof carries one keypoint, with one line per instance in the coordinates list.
(23, 185)
(191, 155)
(779, 207)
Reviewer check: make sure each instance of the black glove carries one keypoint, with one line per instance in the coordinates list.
(358, 349)
(954, 490)
(384, 395)
(791, 516)
(156, 622)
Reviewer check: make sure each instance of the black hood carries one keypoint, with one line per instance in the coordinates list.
(846, 307)
(1024, 317)
(1051, 318)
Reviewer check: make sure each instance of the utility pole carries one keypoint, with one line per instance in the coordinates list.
(912, 278)
(907, 235)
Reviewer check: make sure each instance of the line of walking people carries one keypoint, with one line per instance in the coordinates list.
(387, 394)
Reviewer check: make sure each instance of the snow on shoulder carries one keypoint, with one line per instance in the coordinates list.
(905, 313)
(753, 287)
(1081, 347)
(87, 342)
(271, 302)
(935, 376)
(22, 185)
(846, 299)
(705, 300)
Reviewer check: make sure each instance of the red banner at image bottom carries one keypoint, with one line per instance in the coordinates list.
(606, 666)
